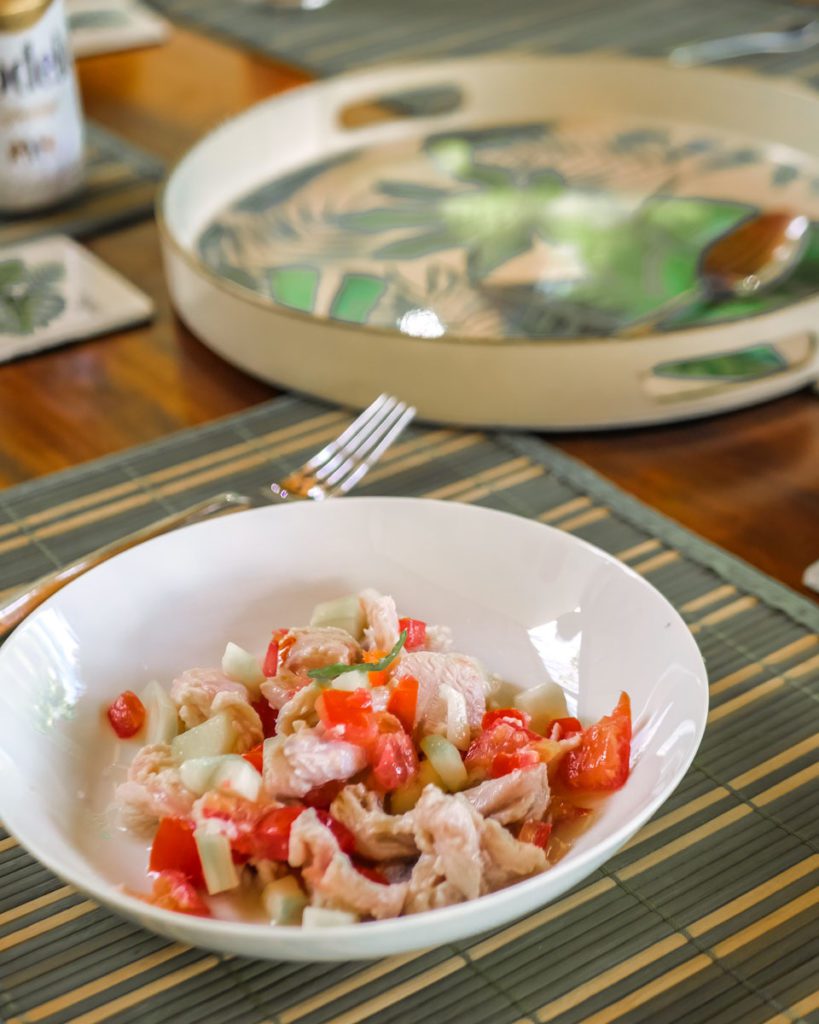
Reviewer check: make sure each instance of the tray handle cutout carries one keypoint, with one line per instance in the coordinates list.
(698, 376)
(428, 101)
(380, 105)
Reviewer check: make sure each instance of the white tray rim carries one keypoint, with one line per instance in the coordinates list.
(708, 339)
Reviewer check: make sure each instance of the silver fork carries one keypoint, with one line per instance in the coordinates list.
(332, 471)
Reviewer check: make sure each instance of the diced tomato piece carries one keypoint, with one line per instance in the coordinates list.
(537, 832)
(516, 718)
(270, 665)
(277, 649)
(174, 891)
(502, 738)
(348, 715)
(271, 836)
(323, 796)
(387, 722)
(339, 706)
(238, 815)
(373, 874)
(601, 762)
(376, 678)
(174, 849)
(269, 716)
(565, 727)
(395, 761)
(561, 809)
(126, 715)
(285, 640)
(255, 757)
(344, 837)
(403, 702)
(416, 633)
(504, 762)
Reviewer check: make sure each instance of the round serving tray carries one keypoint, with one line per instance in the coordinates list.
(477, 260)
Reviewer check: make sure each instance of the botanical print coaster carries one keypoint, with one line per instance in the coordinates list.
(53, 291)
(107, 26)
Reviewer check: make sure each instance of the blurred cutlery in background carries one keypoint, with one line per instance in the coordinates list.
(791, 40)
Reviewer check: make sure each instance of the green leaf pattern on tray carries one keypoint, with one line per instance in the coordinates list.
(30, 296)
(511, 232)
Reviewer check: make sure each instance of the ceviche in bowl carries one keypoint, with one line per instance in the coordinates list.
(361, 771)
(344, 729)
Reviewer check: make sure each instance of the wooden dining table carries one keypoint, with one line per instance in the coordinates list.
(747, 480)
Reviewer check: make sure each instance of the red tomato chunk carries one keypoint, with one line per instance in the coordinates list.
(348, 715)
(537, 832)
(601, 763)
(174, 849)
(271, 659)
(269, 716)
(323, 796)
(566, 727)
(503, 763)
(403, 702)
(502, 737)
(416, 633)
(271, 837)
(174, 891)
(395, 761)
(277, 648)
(561, 810)
(373, 874)
(344, 837)
(255, 757)
(515, 718)
(126, 715)
(382, 676)
(238, 814)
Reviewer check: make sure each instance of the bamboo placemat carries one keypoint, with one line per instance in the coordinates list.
(347, 34)
(708, 916)
(120, 186)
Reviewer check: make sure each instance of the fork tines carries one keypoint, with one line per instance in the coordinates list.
(342, 463)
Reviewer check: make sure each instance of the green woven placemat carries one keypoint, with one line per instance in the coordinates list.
(348, 34)
(708, 915)
(120, 186)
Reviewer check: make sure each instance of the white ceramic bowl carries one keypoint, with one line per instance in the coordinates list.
(521, 596)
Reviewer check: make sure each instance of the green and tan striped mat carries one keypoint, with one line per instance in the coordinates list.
(346, 34)
(708, 915)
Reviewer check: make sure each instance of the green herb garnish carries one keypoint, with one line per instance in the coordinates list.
(329, 672)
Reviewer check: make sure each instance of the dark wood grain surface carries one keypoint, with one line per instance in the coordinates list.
(748, 481)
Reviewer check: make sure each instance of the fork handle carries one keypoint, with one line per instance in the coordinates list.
(23, 601)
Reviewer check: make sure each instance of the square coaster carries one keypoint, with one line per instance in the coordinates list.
(53, 291)
(107, 26)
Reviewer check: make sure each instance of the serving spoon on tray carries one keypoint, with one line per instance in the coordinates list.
(749, 259)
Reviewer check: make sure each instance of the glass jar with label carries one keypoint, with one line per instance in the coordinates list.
(41, 124)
